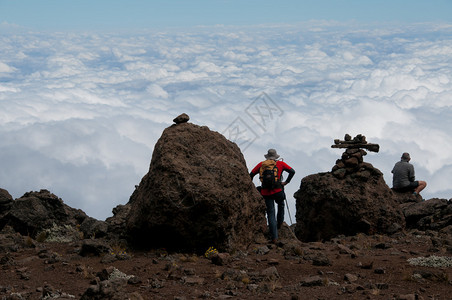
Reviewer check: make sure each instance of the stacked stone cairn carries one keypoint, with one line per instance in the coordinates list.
(352, 159)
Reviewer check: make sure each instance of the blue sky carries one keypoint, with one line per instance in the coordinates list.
(114, 14)
(87, 87)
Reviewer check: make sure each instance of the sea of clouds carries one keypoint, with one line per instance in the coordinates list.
(80, 113)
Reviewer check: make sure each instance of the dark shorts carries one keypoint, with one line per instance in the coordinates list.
(408, 188)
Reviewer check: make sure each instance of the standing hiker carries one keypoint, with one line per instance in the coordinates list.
(272, 188)
(403, 177)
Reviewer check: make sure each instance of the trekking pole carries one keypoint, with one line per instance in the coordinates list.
(288, 211)
(287, 204)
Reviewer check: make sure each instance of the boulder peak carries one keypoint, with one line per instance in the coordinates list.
(197, 194)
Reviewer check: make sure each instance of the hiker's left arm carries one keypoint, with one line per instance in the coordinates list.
(291, 172)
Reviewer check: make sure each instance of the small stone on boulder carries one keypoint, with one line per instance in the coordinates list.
(182, 118)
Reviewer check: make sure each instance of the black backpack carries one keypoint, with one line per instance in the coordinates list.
(269, 175)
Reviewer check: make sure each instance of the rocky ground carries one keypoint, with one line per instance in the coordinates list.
(356, 267)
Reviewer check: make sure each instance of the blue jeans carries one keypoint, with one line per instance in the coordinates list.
(275, 222)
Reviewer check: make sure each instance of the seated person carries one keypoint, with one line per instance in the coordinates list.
(403, 177)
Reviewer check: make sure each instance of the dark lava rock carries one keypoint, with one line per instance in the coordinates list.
(197, 194)
(6, 201)
(117, 223)
(328, 206)
(91, 247)
(36, 211)
(433, 214)
(114, 289)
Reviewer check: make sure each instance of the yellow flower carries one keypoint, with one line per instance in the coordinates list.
(210, 252)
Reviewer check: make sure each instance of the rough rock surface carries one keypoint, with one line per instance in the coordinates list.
(197, 194)
(6, 200)
(37, 211)
(434, 214)
(361, 202)
(117, 223)
(406, 197)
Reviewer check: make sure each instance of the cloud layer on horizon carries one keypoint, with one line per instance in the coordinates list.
(80, 112)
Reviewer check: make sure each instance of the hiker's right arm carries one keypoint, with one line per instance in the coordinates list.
(255, 170)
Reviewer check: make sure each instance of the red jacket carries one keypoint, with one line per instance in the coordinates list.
(281, 167)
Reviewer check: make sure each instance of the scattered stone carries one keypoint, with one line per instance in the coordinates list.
(321, 260)
(108, 258)
(270, 273)
(313, 281)
(136, 296)
(107, 289)
(94, 248)
(368, 265)
(262, 250)
(293, 249)
(133, 280)
(220, 259)
(7, 260)
(232, 274)
(193, 280)
(346, 250)
(408, 297)
(433, 275)
(350, 277)
(382, 246)
(252, 287)
(382, 286)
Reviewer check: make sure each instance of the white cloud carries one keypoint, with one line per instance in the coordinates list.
(4, 68)
(80, 113)
(156, 91)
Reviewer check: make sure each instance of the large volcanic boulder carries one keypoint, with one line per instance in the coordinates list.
(197, 194)
(328, 206)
